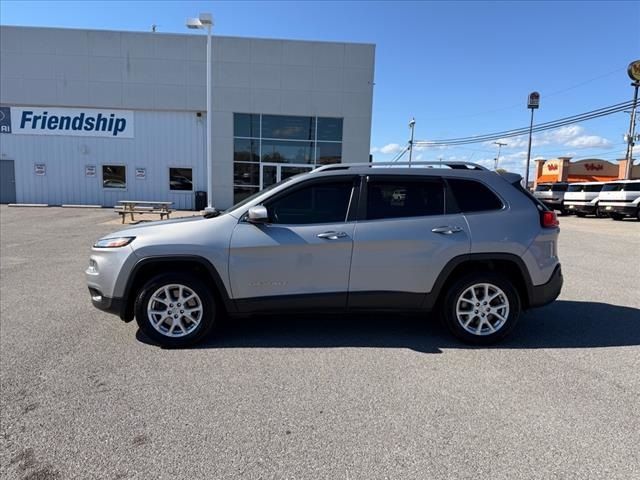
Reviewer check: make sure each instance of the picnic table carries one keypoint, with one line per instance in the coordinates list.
(129, 207)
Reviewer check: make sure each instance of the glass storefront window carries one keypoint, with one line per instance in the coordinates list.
(180, 179)
(288, 127)
(246, 125)
(240, 193)
(246, 173)
(274, 151)
(330, 129)
(296, 143)
(114, 176)
(328, 153)
(245, 150)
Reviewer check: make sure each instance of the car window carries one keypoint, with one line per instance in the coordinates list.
(613, 187)
(593, 188)
(398, 199)
(543, 188)
(323, 202)
(472, 196)
(560, 187)
(632, 187)
(577, 188)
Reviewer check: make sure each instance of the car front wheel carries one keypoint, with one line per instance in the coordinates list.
(175, 310)
(481, 309)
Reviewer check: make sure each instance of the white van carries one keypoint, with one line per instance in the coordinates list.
(621, 199)
(582, 199)
(552, 195)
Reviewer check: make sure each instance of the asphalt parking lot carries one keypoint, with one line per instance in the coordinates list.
(84, 396)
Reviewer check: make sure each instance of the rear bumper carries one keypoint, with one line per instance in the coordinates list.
(106, 304)
(543, 294)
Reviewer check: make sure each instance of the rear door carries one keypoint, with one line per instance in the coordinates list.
(402, 241)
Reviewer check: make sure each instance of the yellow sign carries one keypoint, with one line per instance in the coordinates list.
(634, 70)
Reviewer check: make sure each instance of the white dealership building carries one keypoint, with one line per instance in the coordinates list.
(90, 117)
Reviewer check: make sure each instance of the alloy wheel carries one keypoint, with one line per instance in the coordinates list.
(175, 310)
(482, 309)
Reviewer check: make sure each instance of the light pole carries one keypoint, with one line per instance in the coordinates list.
(532, 103)
(500, 145)
(205, 21)
(634, 73)
(412, 126)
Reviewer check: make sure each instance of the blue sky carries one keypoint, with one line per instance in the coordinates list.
(461, 68)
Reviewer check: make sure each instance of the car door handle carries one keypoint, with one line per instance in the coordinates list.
(446, 230)
(332, 235)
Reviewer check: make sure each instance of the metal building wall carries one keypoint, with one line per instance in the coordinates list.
(162, 140)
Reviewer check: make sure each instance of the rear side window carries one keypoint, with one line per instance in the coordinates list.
(613, 187)
(472, 196)
(577, 188)
(632, 187)
(593, 188)
(560, 187)
(544, 187)
(398, 199)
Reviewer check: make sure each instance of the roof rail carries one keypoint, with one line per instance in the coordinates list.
(450, 165)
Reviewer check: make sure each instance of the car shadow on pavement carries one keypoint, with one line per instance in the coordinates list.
(562, 324)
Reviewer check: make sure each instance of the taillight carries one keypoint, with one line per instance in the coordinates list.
(549, 219)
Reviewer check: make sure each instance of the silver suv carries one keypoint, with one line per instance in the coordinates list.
(455, 238)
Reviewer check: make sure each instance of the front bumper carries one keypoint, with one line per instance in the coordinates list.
(110, 305)
(572, 207)
(553, 204)
(620, 208)
(543, 294)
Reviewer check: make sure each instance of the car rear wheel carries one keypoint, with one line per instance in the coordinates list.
(617, 216)
(175, 310)
(481, 308)
(601, 213)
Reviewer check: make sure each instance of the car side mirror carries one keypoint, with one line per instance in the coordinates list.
(258, 214)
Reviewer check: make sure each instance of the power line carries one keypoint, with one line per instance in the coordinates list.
(601, 112)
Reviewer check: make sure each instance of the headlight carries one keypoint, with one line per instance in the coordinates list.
(113, 242)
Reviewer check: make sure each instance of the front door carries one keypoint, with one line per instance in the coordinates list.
(300, 260)
(7, 182)
(271, 173)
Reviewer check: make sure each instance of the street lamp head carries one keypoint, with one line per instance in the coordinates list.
(206, 19)
(194, 23)
(412, 122)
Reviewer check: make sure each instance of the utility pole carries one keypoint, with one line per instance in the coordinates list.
(634, 73)
(500, 145)
(412, 126)
(532, 103)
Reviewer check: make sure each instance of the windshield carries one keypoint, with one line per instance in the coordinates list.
(258, 193)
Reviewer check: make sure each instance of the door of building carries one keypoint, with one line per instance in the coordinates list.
(7, 182)
(271, 173)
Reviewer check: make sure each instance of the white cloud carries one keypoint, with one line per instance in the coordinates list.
(589, 141)
(391, 148)
(567, 136)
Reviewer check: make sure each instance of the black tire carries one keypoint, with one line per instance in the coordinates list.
(581, 214)
(449, 303)
(207, 317)
(617, 216)
(601, 213)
